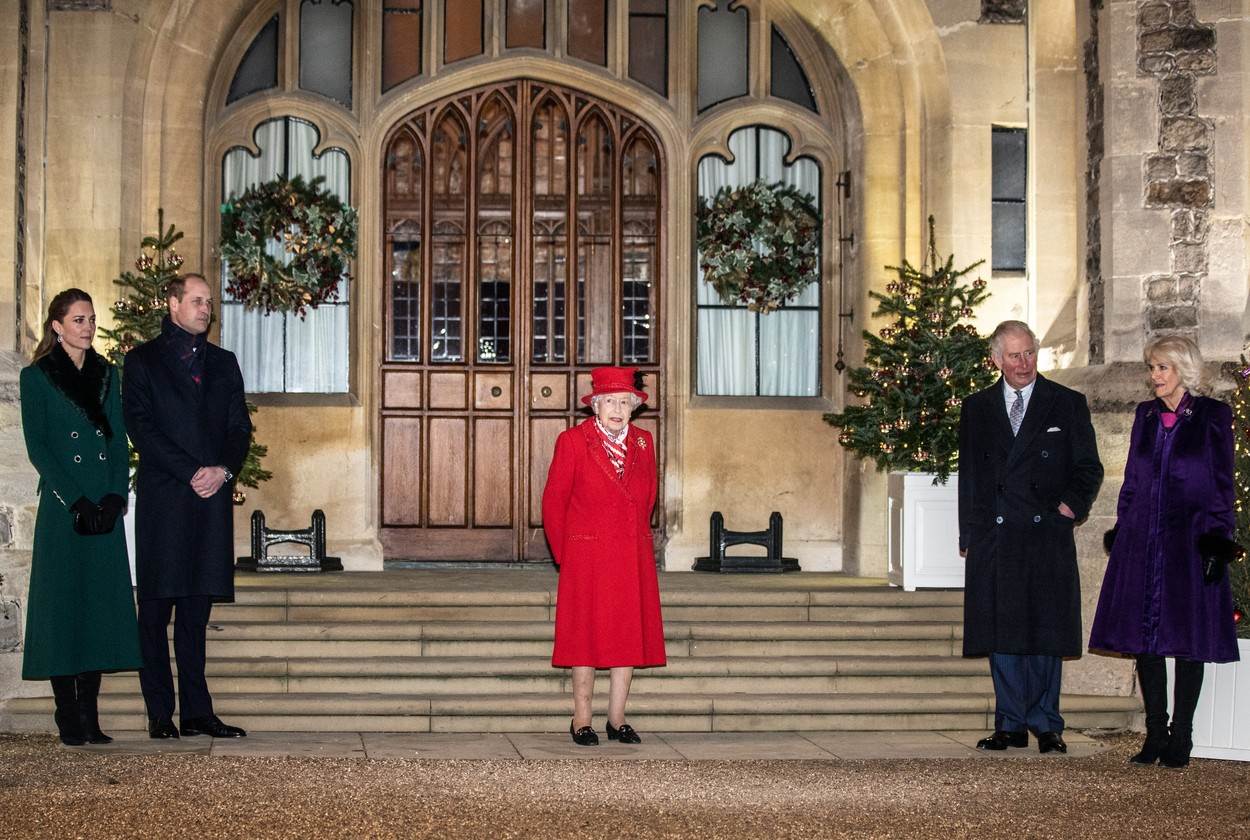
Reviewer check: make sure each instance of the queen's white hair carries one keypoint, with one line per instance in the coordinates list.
(634, 401)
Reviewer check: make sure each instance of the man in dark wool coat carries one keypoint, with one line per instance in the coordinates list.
(186, 416)
(1028, 472)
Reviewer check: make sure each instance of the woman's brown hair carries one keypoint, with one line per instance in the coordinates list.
(57, 311)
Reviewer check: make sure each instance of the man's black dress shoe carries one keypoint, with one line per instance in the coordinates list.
(1051, 742)
(584, 737)
(625, 734)
(1001, 740)
(162, 729)
(212, 726)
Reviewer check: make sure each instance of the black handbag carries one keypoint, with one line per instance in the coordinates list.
(1217, 551)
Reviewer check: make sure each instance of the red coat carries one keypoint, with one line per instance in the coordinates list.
(599, 528)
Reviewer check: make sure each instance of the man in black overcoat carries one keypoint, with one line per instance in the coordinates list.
(1028, 472)
(186, 416)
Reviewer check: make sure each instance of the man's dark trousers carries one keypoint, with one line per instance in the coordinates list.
(1026, 692)
(156, 679)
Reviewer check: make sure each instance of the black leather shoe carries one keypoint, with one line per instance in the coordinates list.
(626, 734)
(1051, 742)
(162, 729)
(211, 726)
(584, 737)
(1002, 739)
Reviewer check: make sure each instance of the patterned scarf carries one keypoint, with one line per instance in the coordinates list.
(189, 348)
(1168, 417)
(614, 445)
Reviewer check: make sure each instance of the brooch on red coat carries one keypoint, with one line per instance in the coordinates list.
(642, 443)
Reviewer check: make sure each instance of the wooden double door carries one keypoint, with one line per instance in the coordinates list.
(523, 249)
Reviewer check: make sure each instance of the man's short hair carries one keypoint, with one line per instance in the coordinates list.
(1182, 353)
(178, 286)
(1001, 331)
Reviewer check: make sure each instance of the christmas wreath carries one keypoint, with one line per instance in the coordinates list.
(317, 233)
(759, 244)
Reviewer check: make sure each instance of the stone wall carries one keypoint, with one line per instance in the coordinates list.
(1173, 188)
(17, 525)
(1175, 48)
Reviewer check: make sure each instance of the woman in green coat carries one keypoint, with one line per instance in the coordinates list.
(80, 615)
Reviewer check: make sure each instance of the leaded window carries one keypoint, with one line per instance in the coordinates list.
(280, 352)
(743, 353)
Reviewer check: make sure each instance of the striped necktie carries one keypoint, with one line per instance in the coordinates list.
(1016, 415)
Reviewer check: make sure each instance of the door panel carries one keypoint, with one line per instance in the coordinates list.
(493, 391)
(522, 249)
(543, 434)
(492, 472)
(447, 390)
(447, 450)
(401, 479)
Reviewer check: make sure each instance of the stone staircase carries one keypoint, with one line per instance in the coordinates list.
(442, 651)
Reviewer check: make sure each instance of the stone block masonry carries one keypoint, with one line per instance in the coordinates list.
(1173, 46)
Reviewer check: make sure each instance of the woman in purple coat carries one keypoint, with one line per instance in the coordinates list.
(1166, 590)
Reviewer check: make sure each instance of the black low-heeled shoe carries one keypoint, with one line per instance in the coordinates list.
(584, 737)
(626, 734)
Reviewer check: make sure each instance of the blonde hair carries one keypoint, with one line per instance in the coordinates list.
(1182, 353)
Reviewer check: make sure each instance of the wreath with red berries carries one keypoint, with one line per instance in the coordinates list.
(317, 235)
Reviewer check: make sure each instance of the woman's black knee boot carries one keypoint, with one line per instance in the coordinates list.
(88, 708)
(1152, 674)
(1185, 690)
(68, 720)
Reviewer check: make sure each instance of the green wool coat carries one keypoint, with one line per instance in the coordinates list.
(80, 615)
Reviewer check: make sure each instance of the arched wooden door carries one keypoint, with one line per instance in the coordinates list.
(522, 250)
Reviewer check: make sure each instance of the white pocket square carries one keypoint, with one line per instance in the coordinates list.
(1054, 429)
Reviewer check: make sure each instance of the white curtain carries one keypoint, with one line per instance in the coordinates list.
(280, 352)
(788, 340)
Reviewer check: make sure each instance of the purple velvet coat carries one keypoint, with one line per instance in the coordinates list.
(1178, 485)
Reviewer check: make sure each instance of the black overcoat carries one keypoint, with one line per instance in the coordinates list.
(1022, 590)
(184, 545)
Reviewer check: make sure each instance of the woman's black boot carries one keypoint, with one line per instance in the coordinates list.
(1184, 701)
(68, 721)
(88, 710)
(1152, 674)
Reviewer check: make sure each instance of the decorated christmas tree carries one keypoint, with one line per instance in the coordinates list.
(918, 369)
(137, 318)
(1239, 572)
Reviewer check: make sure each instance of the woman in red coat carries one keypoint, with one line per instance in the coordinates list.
(597, 515)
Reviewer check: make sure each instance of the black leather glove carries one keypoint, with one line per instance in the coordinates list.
(111, 507)
(1108, 538)
(1217, 551)
(87, 517)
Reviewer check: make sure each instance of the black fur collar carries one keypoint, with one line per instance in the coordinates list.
(87, 388)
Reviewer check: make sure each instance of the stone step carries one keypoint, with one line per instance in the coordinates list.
(548, 712)
(541, 596)
(340, 613)
(544, 631)
(535, 666)
(438, 675)
(303, 648)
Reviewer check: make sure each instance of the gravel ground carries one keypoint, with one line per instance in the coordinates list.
(50, 791)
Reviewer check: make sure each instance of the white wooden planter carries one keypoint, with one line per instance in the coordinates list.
(1222, 720)
(128, 521)
(924, 532)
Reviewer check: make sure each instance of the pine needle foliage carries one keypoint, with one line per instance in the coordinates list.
(918, 368)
